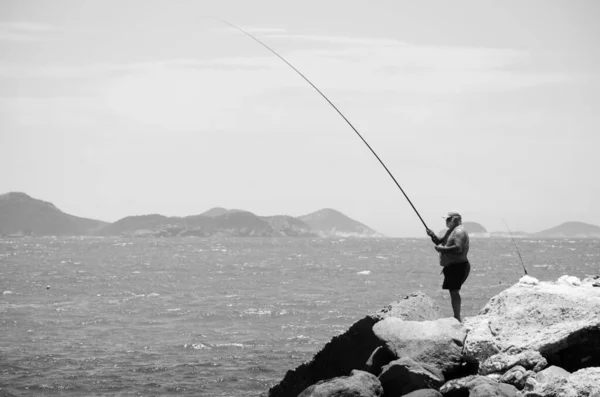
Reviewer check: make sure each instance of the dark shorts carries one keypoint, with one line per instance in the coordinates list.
(455, 275)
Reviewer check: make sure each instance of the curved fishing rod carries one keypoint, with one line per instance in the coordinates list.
(515, 243)
(336, 109)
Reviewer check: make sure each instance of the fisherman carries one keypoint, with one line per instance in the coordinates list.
(453, 246)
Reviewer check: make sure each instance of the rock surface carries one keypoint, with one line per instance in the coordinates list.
(539, 337)
(463, 386)
(516, 376)
(413, 307)
(438, 342)
(552, 372)
(405, 375)
(424, 393)
(358, 384)
(494, 390)
(501, 362)
(352, 349)
(558, 320)
(583, 383)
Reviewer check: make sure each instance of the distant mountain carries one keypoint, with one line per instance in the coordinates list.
(331, 223)
(22, 214)
(571, 229)
(289, 226)
(229, 223)
(217, 211)
(474, 227)
(139, 223)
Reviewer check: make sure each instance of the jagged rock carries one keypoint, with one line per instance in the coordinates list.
(494, 390)
(424, 393)
(406, 375)
(413, 307)
(583, 383)
(358, 384)
(552, 372)
(352, 349)
(516, 376)
(462, 387)
(501, 362)
(438, 342)
(561, 321)
(379, 358)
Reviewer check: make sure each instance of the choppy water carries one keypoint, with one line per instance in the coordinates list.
(219, 317)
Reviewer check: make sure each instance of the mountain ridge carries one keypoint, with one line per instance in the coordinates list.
(24, 215)
(21, 214)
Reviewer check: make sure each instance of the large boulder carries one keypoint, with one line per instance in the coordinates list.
(358, 384)
(438, 342)
(405, 375)
(583, 383)
(550, 373)
(352, 349)
(559, 320)
(413, 307)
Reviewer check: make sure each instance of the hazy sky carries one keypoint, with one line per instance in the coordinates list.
(116, 108)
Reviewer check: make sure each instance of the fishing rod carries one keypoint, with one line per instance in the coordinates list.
(515, 243)
(336, 109)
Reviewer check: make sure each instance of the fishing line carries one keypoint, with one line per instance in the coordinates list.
(515, 243)
(331, 103)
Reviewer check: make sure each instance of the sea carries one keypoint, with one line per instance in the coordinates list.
(221, 316)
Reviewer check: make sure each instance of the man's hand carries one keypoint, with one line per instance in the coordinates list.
(439, 248)
(433, 237)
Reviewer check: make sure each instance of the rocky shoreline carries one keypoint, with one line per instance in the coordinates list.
(534, 339)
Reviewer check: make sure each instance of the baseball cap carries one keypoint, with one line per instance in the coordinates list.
(452, 214)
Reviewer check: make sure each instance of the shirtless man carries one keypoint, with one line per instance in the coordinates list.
(453, 246)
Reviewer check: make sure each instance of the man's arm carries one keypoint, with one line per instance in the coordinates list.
(459, 243)
(436, 240)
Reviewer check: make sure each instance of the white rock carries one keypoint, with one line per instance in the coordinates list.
(525, 317)
(529, 280)
(569, 280)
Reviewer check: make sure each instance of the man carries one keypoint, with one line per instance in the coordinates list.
(453, 246)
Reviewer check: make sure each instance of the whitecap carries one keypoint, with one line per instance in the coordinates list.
(196, 346)
(7, 292)
(260, 312)
(230, 345)
(364, 273)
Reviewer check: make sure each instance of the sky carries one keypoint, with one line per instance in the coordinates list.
(118, 108)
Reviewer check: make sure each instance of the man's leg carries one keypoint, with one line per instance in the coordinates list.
(455, 300)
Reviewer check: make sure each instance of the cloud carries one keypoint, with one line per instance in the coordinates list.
(25, 31)
(373, 74)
